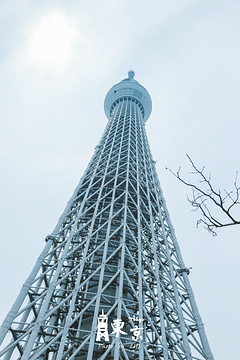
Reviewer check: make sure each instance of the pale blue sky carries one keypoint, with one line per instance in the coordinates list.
(57, 61)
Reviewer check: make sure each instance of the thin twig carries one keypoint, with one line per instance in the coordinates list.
(204, 194)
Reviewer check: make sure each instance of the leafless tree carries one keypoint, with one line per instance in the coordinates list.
(216, 206)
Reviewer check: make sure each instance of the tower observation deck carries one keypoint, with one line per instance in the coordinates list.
(110, 282)
(128, 89)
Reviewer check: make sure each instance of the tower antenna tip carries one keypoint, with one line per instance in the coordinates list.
(131, 74)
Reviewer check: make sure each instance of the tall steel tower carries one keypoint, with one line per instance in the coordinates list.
(110, 282)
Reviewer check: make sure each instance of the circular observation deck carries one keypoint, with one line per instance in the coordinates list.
(128, 89)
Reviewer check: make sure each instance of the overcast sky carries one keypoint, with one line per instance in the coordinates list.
(58, 59)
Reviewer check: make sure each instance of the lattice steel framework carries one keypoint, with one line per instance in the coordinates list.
(113, 250)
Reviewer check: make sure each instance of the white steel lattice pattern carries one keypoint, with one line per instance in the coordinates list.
(113, 250)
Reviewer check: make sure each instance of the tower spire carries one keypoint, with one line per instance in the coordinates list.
(110, 282)
(131, 74)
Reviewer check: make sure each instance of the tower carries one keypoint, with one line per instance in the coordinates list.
(110, 282)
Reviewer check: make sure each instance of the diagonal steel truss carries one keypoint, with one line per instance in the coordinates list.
(113, 250)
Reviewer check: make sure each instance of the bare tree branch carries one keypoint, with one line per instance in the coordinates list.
(208, 200)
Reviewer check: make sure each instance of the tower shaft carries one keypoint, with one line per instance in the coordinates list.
(111, 282)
